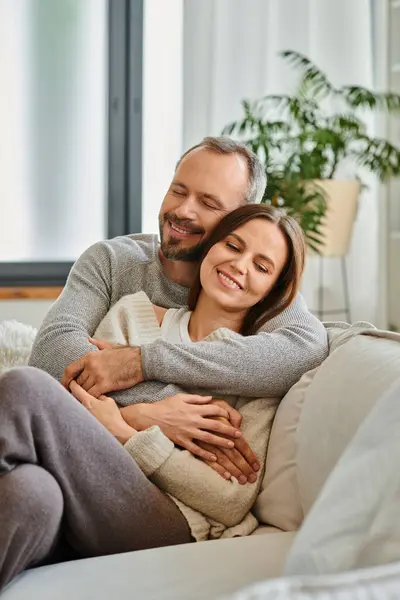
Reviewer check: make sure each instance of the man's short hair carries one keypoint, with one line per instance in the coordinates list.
(255, 168)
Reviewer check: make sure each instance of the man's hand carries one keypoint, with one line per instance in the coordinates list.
(186, 419)
(106, 371)
(240, 461)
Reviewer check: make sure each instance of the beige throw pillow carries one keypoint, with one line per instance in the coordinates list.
(346, 387)
(278, 503)
(319, 416)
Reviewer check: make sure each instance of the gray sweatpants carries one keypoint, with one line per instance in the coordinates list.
(63, 475)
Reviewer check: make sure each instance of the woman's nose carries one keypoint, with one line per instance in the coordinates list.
(240, 264)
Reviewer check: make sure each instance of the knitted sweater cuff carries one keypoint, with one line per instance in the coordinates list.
(150, 449)
(147, 363)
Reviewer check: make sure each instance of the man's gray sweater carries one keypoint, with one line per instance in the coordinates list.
(266, 364)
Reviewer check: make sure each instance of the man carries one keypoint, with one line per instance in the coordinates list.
(211, 179)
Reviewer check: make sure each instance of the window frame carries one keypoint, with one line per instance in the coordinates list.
(124, 152)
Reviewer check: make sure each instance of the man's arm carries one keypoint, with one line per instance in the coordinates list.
(266, 364)
(63, 336)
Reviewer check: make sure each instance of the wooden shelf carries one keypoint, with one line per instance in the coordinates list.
(30, 293)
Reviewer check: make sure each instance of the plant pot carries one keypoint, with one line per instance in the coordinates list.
(342, 201)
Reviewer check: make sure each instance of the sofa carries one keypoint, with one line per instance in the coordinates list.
(313, 426)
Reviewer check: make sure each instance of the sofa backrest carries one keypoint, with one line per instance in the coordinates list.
(319, 416)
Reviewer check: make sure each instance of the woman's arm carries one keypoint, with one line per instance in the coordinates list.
(192, 481)
(179, 473)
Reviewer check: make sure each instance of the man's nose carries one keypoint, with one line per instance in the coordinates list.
(187, 209)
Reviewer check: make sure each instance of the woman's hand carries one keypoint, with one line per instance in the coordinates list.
(104, 345)
(240, 461)
(106, 412)
(185, 419)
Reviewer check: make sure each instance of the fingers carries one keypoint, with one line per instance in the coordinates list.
(242, 465)
(194, 399)
(82, 379)
(205, 454)
(227, 465)
(100, 344)
(213, 410)
(72, 371)
(96, 390)
(221, 428)
(80, 394)
(85, 398)
(234, 416)
(214, 440)
(104, 345)
(219, 469)
(231, 460)
(251, 458)
(89, 383)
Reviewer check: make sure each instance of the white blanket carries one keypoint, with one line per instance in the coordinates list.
(16, 341)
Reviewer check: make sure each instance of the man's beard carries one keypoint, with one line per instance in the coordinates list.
(173, 249)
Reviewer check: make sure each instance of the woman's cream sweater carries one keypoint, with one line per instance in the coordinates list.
(214, 507)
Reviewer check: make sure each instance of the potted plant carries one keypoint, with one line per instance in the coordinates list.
(307, 139)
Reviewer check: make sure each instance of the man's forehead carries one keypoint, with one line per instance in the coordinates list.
(212, 173)
(231, 160)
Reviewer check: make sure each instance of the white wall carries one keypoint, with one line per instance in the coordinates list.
(162, 102)
(231, 51)
(31, 312)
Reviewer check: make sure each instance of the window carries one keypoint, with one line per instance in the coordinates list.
(70, 117)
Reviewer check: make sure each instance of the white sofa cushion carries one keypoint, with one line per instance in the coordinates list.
(380, 583)
(318, 417)
(354, 522)
(345, 388)
(199, 571)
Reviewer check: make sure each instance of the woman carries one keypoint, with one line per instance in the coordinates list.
(63, 474)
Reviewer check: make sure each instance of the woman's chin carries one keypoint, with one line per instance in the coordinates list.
(228, 301)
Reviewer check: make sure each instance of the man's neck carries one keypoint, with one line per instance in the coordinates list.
(178, 271)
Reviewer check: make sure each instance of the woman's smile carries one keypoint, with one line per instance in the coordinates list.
(228, 281)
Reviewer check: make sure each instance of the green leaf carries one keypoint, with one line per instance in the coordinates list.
(360, 97)
(229, 129)
(306, 135)
(313, 81)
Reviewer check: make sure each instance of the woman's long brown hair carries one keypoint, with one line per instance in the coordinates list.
(286, 286)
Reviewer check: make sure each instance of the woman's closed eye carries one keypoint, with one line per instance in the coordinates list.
(232, 247)
(262, 268)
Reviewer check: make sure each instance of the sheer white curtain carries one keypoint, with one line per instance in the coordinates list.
(231, 52)
(162, 103)
(53, 118)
